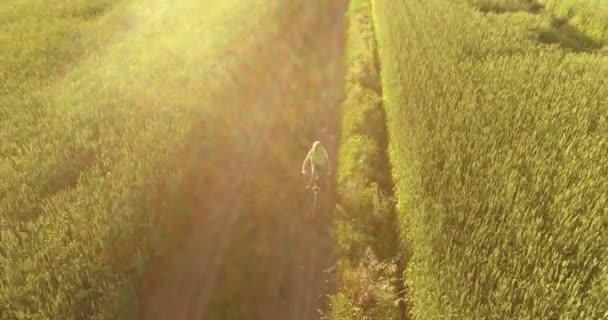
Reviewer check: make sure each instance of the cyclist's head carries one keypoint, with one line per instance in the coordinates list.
(316, 144)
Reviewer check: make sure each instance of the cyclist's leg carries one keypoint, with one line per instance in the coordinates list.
(321, 173)
(313, 172)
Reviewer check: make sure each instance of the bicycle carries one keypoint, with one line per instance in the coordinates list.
(315, 191)
(315, 187)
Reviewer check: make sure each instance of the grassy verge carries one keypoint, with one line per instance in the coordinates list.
(99, 109)
(497, 149)
(371, 265)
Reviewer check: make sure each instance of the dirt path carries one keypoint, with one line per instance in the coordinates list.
(249, 252)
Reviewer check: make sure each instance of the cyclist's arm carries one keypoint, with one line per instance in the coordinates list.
(306, 160)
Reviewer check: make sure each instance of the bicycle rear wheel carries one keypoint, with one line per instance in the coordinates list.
(315, 197)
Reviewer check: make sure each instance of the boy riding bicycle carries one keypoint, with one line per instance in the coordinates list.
(319, 162)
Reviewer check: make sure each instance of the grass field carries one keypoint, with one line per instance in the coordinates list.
(133, 127)
(97, 111)
(472, 168)
(498, 148)
(589, 16)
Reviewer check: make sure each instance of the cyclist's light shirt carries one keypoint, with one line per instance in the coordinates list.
(319, 156)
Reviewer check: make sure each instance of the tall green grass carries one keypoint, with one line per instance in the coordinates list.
(98, 108)
(498, 150)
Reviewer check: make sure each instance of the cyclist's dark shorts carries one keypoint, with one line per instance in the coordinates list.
(319, 169)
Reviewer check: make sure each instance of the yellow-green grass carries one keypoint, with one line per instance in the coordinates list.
(567, 30)
(43, 40)
(498, 150)
(505, 6)
(98, 100)
(590, 16)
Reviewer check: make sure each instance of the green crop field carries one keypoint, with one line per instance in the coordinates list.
(97, 108)
(499, 155)
(151, 151)
(589, 16)
(144, 142)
